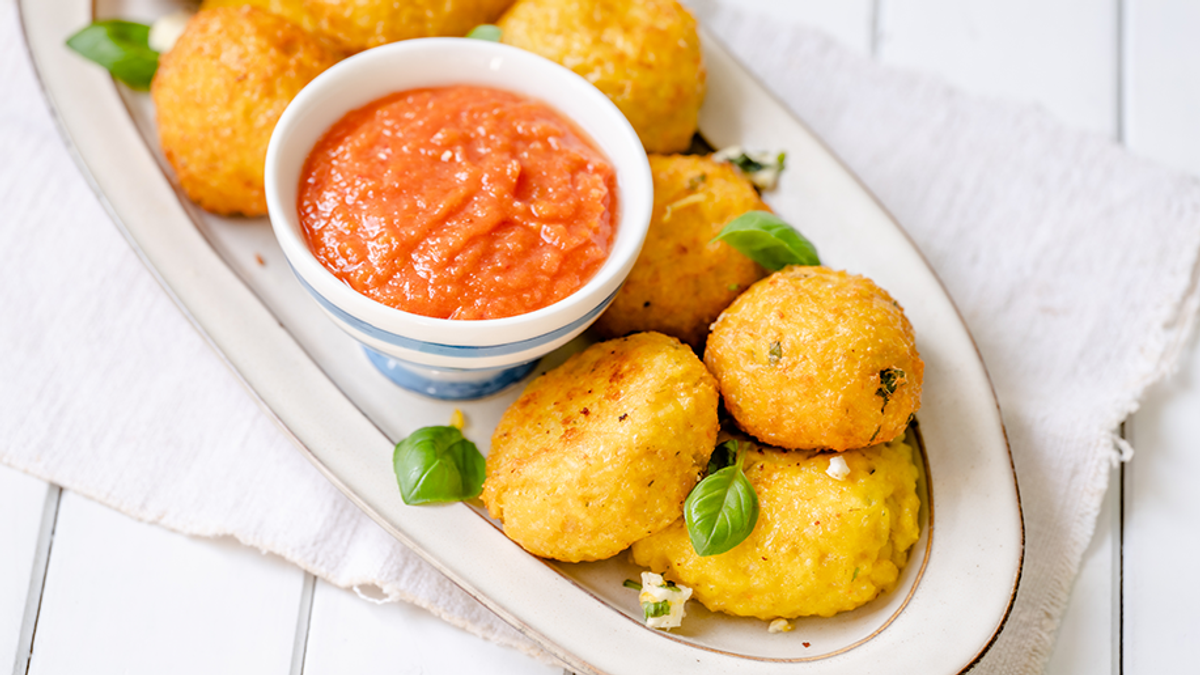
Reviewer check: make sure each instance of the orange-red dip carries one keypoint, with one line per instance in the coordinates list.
(458, 202)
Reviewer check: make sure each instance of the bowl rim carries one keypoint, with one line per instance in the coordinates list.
(429, 62)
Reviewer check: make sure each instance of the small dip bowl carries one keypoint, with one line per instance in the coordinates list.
(444, 358)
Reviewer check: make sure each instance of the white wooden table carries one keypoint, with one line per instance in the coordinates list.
(84, 589)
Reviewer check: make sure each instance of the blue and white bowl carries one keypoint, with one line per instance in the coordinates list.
(452, 359)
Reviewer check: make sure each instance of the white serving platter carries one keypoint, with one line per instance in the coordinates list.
(230, 278)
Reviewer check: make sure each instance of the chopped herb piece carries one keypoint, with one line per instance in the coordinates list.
(653, 610)
(762, 168)
(485, 31)
(733, 287)
(775, 353)
(855, 574)
(630, 583)
(889, 379)
(695, 181)
(746, 163)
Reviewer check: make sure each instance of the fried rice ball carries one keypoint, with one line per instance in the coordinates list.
(815, 358)
(602, 450)
(682, 280)
(643, 54)
(361, 24)
(295, 11)
(218, 94)
(821, 545)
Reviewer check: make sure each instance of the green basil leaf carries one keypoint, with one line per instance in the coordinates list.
(120, 46)
(722, 456)
(767, 240)
(436, 464)
(485, 31)
(721, 511)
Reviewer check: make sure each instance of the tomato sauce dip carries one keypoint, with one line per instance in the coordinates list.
(459, 202)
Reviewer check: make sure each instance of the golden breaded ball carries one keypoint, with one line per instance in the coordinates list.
(361, 24)
(218, 94)
(295, 11)
(602, 450)
(682, 280)
(821, 545)
(815, 358)
(643, 54)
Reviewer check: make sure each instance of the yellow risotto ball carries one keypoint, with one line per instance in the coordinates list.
(355, 25)
(602, 450)
(821, 545)
(815, 358)
(361, 24)
(295, 11)
(643, 54)
(218, 94)
(682, 279)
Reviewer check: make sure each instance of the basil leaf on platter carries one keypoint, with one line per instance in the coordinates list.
(768, 240)
(485, 31)
(122, 47)
(436, 464)
(724, 455)
(721, 511)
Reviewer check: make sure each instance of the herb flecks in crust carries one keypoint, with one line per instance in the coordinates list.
(889, 380)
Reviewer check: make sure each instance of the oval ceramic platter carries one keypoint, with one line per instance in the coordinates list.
(230, 278)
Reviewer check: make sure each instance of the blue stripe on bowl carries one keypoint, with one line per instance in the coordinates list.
(395, 370)
(453, 350)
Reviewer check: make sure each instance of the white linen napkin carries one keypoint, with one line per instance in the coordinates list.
(1073, 263)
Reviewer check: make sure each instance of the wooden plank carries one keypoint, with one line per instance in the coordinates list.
(1161, 103)
(1162, 94)
(22, 504)
(1089, 636)
(1059, 53)
(132, 598)
(850, 21)
(350, 635)
(1066, 60)
(1161, 511)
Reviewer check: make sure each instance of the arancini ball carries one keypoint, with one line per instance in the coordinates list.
(682, 279)
(643, 54)
(815, 358)
(295, 11)
(361, 24)
(821, 545)
(218, 94)
(602, 451)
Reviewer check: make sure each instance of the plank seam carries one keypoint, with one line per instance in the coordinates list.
(1127, 427)
(1122, 68)
(303, 621)
(37, 580)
